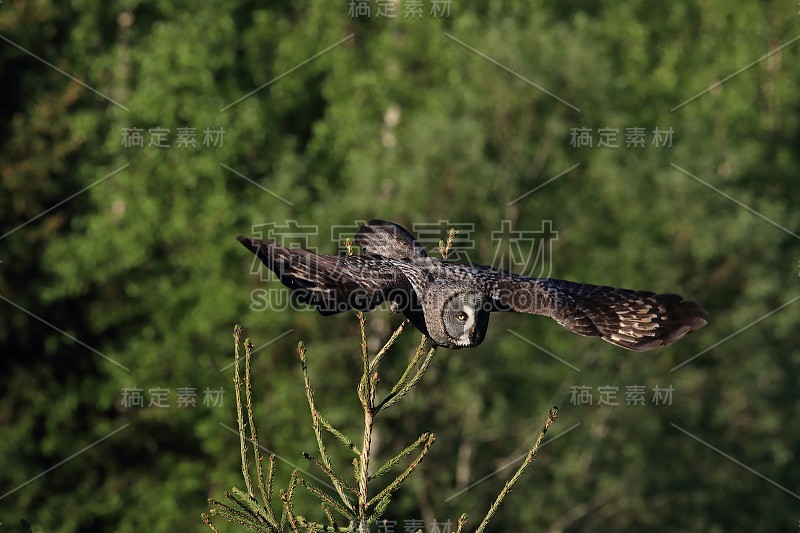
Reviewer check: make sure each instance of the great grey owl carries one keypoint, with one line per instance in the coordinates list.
(450, 303)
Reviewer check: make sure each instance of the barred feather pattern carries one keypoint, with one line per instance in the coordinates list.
(635, 320)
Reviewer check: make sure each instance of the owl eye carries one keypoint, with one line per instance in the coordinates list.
(462, 316)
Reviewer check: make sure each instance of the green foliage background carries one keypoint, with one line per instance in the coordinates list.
(143, 267)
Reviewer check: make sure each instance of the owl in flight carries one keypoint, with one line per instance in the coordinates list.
(451, 303)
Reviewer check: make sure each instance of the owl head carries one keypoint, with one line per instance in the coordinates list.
(456, 315)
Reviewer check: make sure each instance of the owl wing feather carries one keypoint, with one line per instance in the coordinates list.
(390, 240)
(634, 320)
(333, 284)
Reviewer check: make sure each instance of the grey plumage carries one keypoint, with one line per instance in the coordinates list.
(451, 303)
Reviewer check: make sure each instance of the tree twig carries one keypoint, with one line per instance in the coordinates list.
(315, 418)
(237, 332)
(510, 483)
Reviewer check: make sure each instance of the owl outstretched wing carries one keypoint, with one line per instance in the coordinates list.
(333, 284)
(634, 320)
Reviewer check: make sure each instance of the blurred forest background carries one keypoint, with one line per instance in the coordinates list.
(119, 268)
